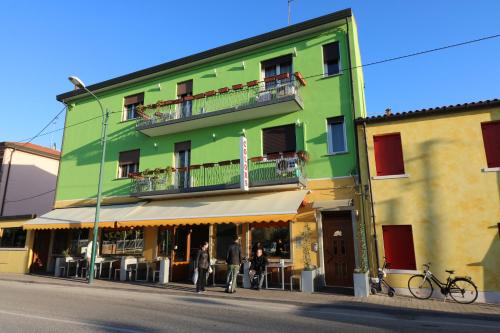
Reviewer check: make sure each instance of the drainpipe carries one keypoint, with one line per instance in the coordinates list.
(355, 136)
(371, 196)
(6, 182)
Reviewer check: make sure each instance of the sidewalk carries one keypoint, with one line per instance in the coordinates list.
(373, 303)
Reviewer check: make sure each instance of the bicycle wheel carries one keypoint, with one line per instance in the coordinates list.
(419, 287)
(463, 291)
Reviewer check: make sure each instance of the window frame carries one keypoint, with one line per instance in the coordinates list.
(330, 121)
(490, 159)
(252, 241)
(126, 109)
(279, 126)
(410, 266)
(127, 165)
(381, 174)
(15, 235)
(325, 64)
(274, 84)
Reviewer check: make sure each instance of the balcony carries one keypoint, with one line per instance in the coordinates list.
(276, 95)
(225, 175)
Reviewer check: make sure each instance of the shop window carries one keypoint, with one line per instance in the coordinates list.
(225, 234)
(12, 238)
(60, 245)
(331, 58)
(389, 154)
(123, 242)
(398, 246)
(130, 105)
(491, 139)
(275, 239)
(165, 242)
(128, 162)
(336, 135)
(279, 139)
(181, 244)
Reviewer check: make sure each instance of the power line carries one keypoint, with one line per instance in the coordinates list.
(45, 127)
(378, 62)
(32, 197)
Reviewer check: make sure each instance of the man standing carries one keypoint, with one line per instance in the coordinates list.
(233, 260)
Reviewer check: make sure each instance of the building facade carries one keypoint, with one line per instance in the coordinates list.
(28, 174)
(435, 182)
(255, 138)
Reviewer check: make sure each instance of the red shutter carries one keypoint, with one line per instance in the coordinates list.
(491, 138)
(398, 246)
(389, 155)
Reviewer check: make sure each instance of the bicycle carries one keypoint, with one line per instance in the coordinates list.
(460, 288)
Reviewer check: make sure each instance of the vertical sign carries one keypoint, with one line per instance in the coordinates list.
(243, 164)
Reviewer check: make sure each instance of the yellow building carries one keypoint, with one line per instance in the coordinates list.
(433, 180)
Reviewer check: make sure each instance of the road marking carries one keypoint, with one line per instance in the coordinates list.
(72, 322)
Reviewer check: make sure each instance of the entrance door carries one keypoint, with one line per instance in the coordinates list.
(40, 251)
(338, 248)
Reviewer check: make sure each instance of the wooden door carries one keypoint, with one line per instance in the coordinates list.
(40, 251)
(338, 247)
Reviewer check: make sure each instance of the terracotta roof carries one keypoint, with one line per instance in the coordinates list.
(431, 111)
(33, 149)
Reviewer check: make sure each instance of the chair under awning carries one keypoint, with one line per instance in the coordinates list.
(81, 217)
(237, 208)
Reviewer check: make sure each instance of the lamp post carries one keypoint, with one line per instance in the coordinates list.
(105, 115)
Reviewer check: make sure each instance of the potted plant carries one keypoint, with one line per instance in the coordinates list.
(308, 275)
(303, 156)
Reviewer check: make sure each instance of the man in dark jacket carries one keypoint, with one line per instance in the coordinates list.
(233, 260)
(202, 265)
(258, 269)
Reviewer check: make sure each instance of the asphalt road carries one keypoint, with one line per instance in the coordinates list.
(28, 307)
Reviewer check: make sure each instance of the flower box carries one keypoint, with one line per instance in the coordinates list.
(199, 96)
(270, 78)
(300, 78)
(235, 161)
(223, 90)
(283, 76)
(210, 93)
(252, 83)
(237, 86)
(187, 98)
(224, 163)
(257, 159)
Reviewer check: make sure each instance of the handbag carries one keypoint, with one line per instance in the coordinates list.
(195, 276)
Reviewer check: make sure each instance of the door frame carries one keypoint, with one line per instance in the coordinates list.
(319, 220)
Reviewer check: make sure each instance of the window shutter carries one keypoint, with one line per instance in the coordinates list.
(129, 157)
(182, 146)
(491, 139)
(331, 52)
(283, 60)
(398, 246)
(185, 88)
(389, 155)
(279, 139)
(134, 99)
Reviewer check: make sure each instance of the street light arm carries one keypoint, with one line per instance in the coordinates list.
(96, 98)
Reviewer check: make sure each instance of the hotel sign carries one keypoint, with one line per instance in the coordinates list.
(244, 181)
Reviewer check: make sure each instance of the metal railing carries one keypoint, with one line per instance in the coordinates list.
(134, 246)
(243, 98)
(222, 175)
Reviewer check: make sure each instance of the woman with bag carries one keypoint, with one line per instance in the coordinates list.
(201, 268)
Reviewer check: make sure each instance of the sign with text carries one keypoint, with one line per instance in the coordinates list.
(244, 181)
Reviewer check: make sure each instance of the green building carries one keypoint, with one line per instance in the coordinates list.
(254, 138)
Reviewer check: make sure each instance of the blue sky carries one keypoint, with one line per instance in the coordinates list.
(45, 41)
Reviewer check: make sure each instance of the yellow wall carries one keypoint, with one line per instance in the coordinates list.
(17, 260)
(452, 205)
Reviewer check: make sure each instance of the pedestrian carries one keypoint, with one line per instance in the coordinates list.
(233, 260)
(202, 267)
(258, 269)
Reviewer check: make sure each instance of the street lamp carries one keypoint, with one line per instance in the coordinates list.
(105, 115)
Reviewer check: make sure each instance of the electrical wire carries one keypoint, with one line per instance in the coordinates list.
(44, 128)
(31, 197)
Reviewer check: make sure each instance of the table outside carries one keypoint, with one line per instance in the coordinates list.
(281, 266)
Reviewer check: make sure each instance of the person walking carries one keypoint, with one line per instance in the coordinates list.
(258, 269)
(233, 260)
(202, 266)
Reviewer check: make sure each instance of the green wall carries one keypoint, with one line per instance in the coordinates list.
(323, 98)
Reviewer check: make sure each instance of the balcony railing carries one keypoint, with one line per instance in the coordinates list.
(274, 170)
(223, 101)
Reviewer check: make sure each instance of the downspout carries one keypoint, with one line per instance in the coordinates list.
(365, 264)
(6, 182)
(371, 196)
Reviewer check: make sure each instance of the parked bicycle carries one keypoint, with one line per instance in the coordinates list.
(460, 288)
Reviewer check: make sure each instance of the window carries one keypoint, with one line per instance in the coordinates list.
(128, 163)
(165, 242)
(12, 238)
(129, 241)
(275, 239)
(491, 138)
(279, 139)
(389, 155)
(182, 163)
(276, 66)
(398, 246)
(185, 89)
(331, 59)
(225, 234)
(130, 105)
(336, 135)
